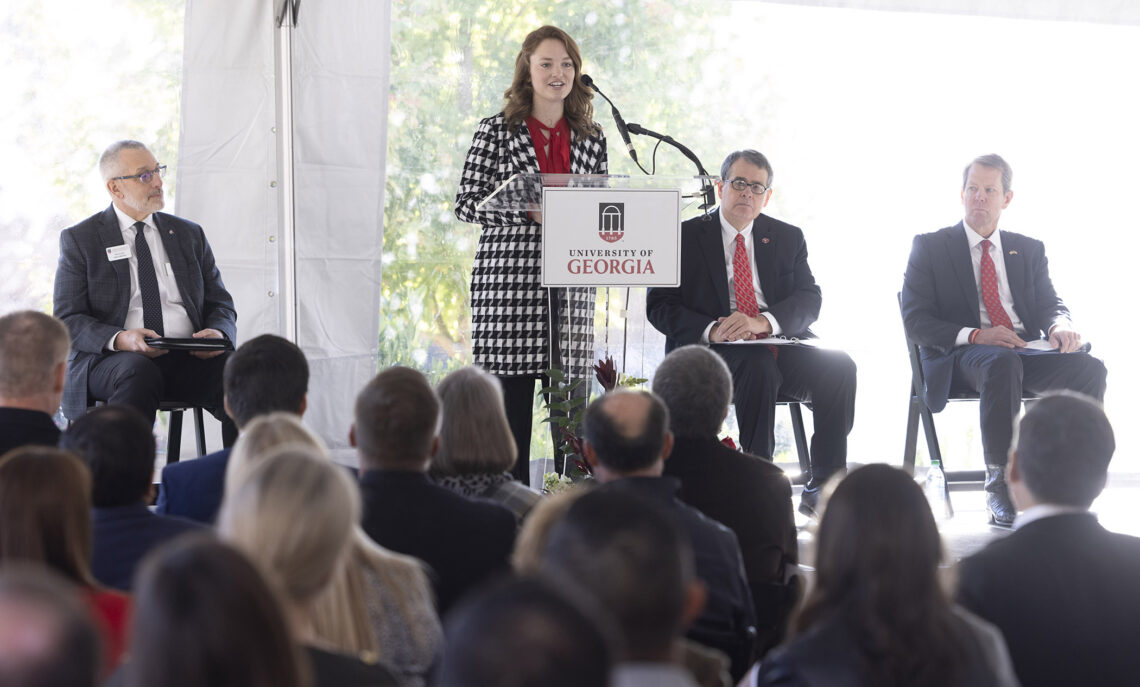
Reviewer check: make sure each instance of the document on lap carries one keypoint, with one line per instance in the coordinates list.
(774, 341)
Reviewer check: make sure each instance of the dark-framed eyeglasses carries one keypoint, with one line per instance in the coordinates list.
(146, 177)
(740, 184)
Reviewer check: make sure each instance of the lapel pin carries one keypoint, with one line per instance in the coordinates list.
(765, 240)
(1013, 252)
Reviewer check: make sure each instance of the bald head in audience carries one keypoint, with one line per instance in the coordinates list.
(627, 435)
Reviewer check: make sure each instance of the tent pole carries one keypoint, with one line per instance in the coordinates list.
(286, 18)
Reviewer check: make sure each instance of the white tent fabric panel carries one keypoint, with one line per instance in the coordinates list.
(229, 166)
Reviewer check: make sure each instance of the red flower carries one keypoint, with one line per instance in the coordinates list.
(606, 373)
(727, 441)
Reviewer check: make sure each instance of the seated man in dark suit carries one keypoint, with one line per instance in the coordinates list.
(33, 361)
(1061, 588)
(131, 273)
(464, 541)
(627, 441)
(118, 445)
(745, 277)
(972, 314)
(746, 493)
(264, 375)
(633, 560)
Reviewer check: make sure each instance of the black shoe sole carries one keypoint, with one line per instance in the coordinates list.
(808, 511)
(994, 522)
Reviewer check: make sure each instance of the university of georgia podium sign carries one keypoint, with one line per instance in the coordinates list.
(611, 237)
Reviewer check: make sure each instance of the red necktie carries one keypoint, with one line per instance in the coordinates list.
(742, 280)
(998, 316)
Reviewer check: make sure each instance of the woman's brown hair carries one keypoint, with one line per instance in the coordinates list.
(45, 511)
(578, 108)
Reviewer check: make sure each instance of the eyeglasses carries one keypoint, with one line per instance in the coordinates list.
(741, 184)
(146, 177)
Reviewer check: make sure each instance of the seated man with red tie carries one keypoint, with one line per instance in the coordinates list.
(745, 277)
(131, 273)
(973, 298)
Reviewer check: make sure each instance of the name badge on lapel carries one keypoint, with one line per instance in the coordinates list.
(120, 252)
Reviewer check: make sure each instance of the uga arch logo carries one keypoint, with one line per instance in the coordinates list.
(611, 221)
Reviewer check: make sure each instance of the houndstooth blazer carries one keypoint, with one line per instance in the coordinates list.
(508, 307)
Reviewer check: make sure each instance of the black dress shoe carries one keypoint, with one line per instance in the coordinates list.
(1001, 510)
(809, 502)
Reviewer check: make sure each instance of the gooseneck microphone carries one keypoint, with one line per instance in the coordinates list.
(623, 130)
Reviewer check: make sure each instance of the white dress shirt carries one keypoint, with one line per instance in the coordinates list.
(728, 235)
(998, 257)
(175, 322)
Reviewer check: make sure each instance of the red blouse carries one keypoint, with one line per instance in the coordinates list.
(556, 158)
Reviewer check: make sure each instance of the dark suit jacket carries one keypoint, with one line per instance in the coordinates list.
(728, 614)
(193, 488)
(683, 313)
(92, 293)
(1063, 591)
(123, 535)
(464, 541)
(940, 297)
(21, 427)
(753, 498)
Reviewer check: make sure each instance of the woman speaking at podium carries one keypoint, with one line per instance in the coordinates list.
(546, 126)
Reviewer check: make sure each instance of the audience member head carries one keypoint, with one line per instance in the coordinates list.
(265, 374)
(260, 437)
(696, 387)
(293, 515)
(877, 556)
(627, 433)
(47, 638)
(1061, 450)
(474, 435)
(526, 558)
(45, 504)
(578, 105)
(633, 559)
(117, 444)
(203, 615)
(525, 633)
(396, 421)
(33, 360)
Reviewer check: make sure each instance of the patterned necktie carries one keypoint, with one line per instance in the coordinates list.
(998, 316)
(148, 282)
(742, 280)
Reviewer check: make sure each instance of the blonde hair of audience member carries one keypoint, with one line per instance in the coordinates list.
(340, 613)
(474, 435)
(293, 515)
(526, 559)
(262, 435)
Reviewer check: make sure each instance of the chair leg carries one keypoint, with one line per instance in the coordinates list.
(911, 446)
(931, 436)
(801, 437)
(200, 431)
(173, 436)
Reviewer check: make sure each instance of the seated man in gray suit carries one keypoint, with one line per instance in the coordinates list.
(131, 273)
(1061, 588)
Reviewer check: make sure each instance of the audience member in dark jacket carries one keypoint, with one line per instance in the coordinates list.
(33, 366)
(878, 614)
(464, 541)
(1061, 588)
(627, 442)
(746, 493)
(265, 374)
(117, 444)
